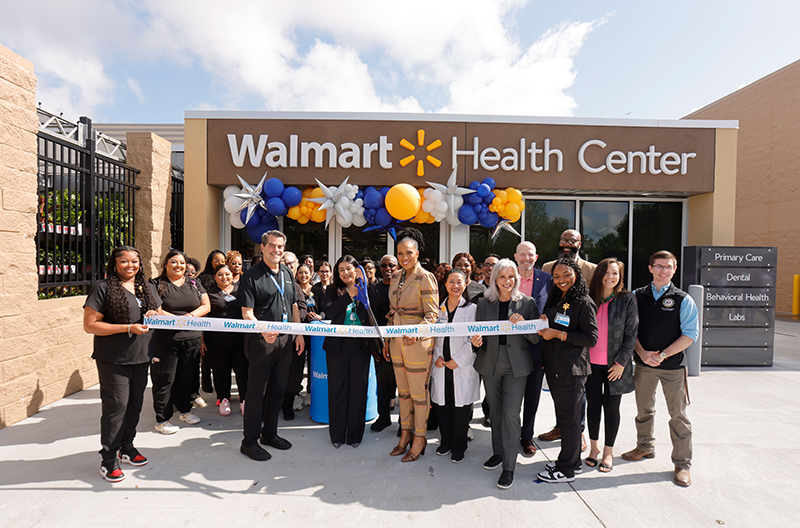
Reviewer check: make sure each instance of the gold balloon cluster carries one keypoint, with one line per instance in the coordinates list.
(508, 204)
(308, 210)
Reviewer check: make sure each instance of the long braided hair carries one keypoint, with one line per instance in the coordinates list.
(576, 292)
(116, 308)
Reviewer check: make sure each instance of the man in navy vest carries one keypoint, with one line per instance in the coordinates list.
(667, 326)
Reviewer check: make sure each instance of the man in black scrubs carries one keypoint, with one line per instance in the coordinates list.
(267, 294)
(379, 300)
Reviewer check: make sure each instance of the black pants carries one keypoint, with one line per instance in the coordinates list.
(567, 393)
(205, 375)
(599, 400)
(583, 412)
(122, 395)
(453, 424)
(294, 384)
(387, 388)
(222, 358)
(266, 380)
(348, 378)
(172, 371)
(533, 393)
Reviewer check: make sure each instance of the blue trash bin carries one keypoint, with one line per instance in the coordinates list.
(319, 384)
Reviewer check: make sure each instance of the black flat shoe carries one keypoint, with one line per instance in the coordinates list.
(277, 442)
(379, 425)
(255, 451)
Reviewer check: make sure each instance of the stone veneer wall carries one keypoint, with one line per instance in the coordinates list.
(44, 352)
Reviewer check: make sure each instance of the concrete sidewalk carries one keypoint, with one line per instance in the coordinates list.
(745, 469)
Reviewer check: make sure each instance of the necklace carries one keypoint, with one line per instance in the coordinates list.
(604, 300)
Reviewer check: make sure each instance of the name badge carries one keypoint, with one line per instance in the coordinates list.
(562, 319)
(310, 302)
(229, 298)
(285, 317)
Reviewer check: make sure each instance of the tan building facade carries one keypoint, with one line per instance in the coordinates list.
(767, 194)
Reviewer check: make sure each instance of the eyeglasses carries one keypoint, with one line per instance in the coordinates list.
(659, 267)
(569, 240)
(388, 265)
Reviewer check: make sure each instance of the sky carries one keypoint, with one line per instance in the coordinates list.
(148, 61)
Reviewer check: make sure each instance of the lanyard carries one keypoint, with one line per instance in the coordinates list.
(281, 290)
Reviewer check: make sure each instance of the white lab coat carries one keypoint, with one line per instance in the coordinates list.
(466, 383)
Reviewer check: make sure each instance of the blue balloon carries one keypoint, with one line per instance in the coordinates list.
(273, 187)
(476, 208)
(254, 220)
(369, 190)
(276, 207)
(291, 196)
(360, 194)
(373, 200)
(483, 190)
(489, 182)
(474, 185)
(384, 190)
(383, 218)
(254, 233)
(474, 198)
(269, 224)
(467, 215)
(489, 220)
(488, 198)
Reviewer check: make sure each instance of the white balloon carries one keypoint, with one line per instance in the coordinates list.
(359, 202)
(232, 203)
(436, 196)
(427, 193)
(440, 207)
(345, 201)
(236, 221)
(359, 220)
(453, 220)
(427, 206)
(458, 201)
(230, 190)
(352, 195)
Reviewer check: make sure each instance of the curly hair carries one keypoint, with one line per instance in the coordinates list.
(116, 309)
(469, 258)
(577, 291)
(230, 255)
(412, 235)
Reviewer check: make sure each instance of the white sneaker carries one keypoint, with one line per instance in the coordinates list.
(297, 405)
(225, 407)
(191, 419)
(306, 398)
(554, 476)
(198, 402)
(167, 428)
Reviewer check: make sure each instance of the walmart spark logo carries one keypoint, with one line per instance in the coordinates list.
(420, 142)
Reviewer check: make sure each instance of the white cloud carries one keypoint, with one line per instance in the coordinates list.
(367, 56)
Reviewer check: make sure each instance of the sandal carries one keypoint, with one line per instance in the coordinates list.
(591, 462)
(605, 468)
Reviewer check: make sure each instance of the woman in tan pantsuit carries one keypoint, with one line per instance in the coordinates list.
(413, 300)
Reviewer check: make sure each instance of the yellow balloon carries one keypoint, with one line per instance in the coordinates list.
(514, 195)
(496, 200)
(304, 210)
(317, 193)
(293, 213)
(422, 217)
(514, 218)
(403, 201)
(502, 195)
(307, 192)
(431, 219)
(303, 220)
(318, 215)
(522, 205)
(512, 209)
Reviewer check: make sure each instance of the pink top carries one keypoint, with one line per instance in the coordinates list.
(598, 354)
(526, 285)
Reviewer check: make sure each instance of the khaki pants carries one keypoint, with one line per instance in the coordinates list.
(680, 429)
(412, 369)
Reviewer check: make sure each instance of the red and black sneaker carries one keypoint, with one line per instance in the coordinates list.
(111, 471)
(133, 457)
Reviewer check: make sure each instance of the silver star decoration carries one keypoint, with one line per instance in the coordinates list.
(453, 194)
(500, 226)
(330, 200)
(252, 197)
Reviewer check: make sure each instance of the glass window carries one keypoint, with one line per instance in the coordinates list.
(241, 242)
(481, 244)
(657, 225)
(604, 228)
(362, 244)
(429, 257)
(310, 238)
(545, 220)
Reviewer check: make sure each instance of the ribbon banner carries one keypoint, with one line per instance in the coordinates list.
(211, 324)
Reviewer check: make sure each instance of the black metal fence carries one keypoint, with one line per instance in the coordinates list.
(176, 211)
(86, 205)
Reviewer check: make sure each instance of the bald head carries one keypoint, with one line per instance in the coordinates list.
(570, 243)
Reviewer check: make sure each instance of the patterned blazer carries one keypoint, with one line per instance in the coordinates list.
(623, 326)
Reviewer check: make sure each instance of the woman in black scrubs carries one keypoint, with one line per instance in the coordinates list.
(348, 358)
(114, 313)
(177, 352)
(571, 316)
(225, 350)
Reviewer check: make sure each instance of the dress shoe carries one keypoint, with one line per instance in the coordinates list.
(380, 424)
(355, 445)
(487, 422)
(506, 479)
(416, 451)
(584, 447)
(402, 445)
(682, 477)
(337, 445)
(637, 454)
(277, 442)
(288, 415)
(528, 448)
(550, 436)
(255, 451)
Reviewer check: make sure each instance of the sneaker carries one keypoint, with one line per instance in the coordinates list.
(306, 398)
(552, 465)
(494, 462)
(191, 419)
(506, 479)
(241, 407)
(442, 450)
(132, 457)
(198, 402)
(111, 471)
(225, 407)
(553, 476)
(297, 404)
(470, 434)
(457, 459)
(167, 428)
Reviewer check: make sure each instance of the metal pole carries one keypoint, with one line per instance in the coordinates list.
(694, 354)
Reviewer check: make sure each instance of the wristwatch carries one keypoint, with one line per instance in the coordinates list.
(662, 355)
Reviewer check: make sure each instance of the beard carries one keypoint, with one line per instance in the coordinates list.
(570, 251)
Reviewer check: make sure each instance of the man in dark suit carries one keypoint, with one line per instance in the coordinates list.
(533, 283)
